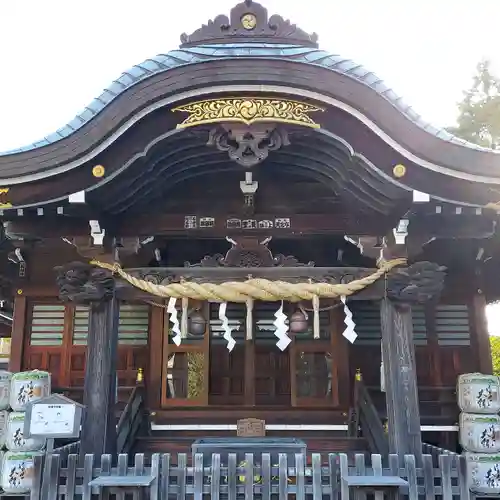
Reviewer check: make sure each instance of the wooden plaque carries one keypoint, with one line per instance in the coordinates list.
(251, 427)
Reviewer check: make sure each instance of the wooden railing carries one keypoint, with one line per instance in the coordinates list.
(438, 405)
(258, 476)
(130, 420)
(127, 428)
(365, 419)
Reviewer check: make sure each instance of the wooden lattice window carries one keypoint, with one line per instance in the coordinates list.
(133, 325)
(47, 325)
(452, 325)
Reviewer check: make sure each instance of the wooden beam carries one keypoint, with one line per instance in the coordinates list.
(400, 379)
(267, 224)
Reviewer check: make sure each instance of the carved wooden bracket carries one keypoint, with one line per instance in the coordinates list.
(82, 283)
(248, 145)
(417, 283)
(249, 252)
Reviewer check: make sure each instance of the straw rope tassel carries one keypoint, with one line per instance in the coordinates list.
(249, 322)
(184, 317)
(316, 325)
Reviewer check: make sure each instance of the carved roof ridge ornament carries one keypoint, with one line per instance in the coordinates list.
(248, 110)
(248, 21)
(249, 252)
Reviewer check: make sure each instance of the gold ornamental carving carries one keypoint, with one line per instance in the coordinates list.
(4, 202)
(248, 110)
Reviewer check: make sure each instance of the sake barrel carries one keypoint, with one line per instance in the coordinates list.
(15, 440)
(26, 387)
(17, 472)
(478, 393)
(483, 470)
(5, 381)
(479, 433)
(4, 418)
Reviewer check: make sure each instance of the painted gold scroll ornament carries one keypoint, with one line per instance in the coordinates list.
(4, 202)
(248, 110)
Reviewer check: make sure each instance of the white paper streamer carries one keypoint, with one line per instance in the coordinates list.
(171, 309)
(349, 333)
(281, 329)
(226, 327)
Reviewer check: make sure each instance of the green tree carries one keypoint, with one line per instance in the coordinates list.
(495, 354)
(479, 111)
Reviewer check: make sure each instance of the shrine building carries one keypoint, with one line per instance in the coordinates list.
(249, 227)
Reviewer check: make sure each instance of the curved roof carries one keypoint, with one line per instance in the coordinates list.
(217, 51)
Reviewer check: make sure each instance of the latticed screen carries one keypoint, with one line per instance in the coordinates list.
(47, 325)
(452, 325)
(132, 328)
(366, 315)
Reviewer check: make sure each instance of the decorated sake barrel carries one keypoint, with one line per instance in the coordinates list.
(480, 433)
(26, 387)
(15, 440)
(17, 472)
(483, 471)
(5, 381)
(478, 393)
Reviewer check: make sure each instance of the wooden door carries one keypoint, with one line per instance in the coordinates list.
(185, 368)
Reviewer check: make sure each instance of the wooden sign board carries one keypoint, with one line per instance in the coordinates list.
(251, 427)
(54, 416)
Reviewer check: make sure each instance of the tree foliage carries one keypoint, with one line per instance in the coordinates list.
(495, 354)
(479, 112)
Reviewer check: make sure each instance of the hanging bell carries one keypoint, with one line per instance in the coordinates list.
(197, 323)
(298, 322)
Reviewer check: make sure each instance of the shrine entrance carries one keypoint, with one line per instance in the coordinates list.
(202, 371)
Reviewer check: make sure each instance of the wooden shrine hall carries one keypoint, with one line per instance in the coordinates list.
(249, 227)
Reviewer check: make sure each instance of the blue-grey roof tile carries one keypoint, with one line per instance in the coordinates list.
(192, 55)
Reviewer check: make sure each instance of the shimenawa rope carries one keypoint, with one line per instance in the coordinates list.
(256, 289)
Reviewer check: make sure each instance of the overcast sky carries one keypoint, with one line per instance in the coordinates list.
(56, 55)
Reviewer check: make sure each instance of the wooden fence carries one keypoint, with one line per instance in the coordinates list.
(169, 477)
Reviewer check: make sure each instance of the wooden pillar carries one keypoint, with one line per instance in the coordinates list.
(400, 379)
(99, 396)
(419, 283)
(18, 334)
(82, 283)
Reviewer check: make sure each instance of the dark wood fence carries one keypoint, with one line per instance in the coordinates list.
(169, 477)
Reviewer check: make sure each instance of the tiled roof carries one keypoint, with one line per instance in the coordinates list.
(193, 55)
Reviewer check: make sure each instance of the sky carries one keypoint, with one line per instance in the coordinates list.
(57, 55)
